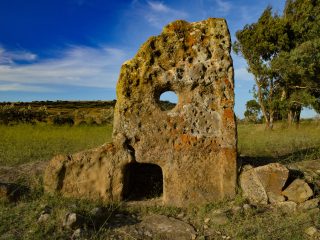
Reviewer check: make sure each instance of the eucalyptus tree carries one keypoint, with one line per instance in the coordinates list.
(259, 43)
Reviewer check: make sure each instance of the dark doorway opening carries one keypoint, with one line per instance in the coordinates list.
(142, 181)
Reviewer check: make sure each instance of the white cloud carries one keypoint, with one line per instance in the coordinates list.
(223, 6)
(157, 13)
(10, 57)
(158, 6)
(242, 74)
(77, 66)
(23, 88)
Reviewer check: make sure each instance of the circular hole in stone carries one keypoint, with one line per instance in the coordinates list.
(168, 100)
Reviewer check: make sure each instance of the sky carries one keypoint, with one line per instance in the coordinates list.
(73, 49)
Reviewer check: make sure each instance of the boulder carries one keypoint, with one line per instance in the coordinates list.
(298, 191)
(264, 184)
(252, 188)
(310, 170)
(308, 205)
(162, 227)
(197, 138)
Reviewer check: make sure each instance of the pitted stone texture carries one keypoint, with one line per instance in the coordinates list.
(93, 174)
(195, 142)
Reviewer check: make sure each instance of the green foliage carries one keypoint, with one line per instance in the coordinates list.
(283, 53)
(253, 111)
(63, 119)
(10, 114)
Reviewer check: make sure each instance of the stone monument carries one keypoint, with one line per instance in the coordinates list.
(190, 148)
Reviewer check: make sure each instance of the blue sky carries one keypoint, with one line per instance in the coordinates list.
(73, 49)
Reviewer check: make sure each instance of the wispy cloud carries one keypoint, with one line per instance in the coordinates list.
(242, 75)
(10, 57)
(159, 7)
(223, 6)
(24, 88)
(77, 66)
(157, 13)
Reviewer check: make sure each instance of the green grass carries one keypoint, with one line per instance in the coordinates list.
(30, 143)
(27, 143)
(259, 146)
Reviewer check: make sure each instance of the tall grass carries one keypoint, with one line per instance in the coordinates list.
(28, 143)
(283, 144)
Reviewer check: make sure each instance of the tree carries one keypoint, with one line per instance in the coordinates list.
(298, 68)
(253, 111)
(259, 43)
(283, 52)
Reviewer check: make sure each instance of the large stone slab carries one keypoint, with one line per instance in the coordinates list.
(264, 184)
(194, 144)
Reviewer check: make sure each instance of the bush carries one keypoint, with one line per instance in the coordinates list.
(11, 114)
(63, 120)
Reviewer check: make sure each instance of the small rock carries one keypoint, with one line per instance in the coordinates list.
(247, 167)
(298, 191)
(72, 220)
(166, 227)
(77, 234)
(247, 208)
(219, 217)
(46, 209)
(311, 231)
(193, 236)
(43, 217)
(205, 226)
(287, 207)
(236, 209)
(307, 205)
(206, 220)
(181, 215)
(148, 234)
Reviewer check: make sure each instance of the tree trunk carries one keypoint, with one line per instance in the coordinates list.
(263, 108)
(297, 116)
(290, 117)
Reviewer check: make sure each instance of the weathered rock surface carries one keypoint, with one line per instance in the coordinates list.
(287, 207)
(298, 191)
(310, 170)
(311, 231)
(218, 217)
(194, 144)
(264, 184)
(160, 227)
(73, 220)
(310, 204)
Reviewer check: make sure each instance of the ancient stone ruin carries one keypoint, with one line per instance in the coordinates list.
(186, 154)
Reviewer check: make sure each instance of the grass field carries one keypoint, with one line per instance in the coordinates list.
(29, 143)
(258, 146)
(26, 143)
